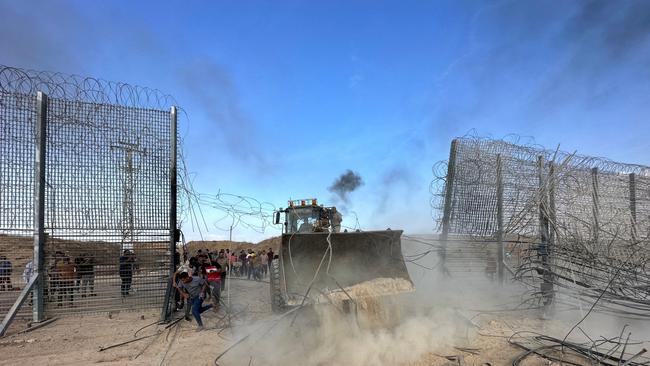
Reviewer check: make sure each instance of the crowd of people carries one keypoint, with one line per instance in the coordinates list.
(198, 277)
(204, 276)
(68, 276)
(65, 276)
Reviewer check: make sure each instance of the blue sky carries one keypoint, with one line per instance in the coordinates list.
(283, 97)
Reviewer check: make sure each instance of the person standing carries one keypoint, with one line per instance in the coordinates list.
(222, 261)
(5, 273)
(52, 287)
(213, 274)
(242, 259)
(231, 262)
(86, 274)
(269, 254)
(194, 266)
(126, 271)
(27, 275)
(249, 264)
(255, 264)
(176, 283)
(194, 289)
(265, 263)
(66, 274)
(28, 272)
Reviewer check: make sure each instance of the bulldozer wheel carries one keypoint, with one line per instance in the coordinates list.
(277, 301)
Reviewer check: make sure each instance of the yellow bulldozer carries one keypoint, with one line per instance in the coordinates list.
(319, 263)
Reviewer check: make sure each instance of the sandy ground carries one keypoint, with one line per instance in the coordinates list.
(77, 340)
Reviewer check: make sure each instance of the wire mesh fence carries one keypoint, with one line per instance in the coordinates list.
(106, 195)
(17, 121)
(573, 224)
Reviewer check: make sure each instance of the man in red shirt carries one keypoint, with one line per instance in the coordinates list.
(213, 276)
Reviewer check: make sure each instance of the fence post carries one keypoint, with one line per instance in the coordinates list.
(546, 286)
(39, 205)
(446, 213)
(172, 210)
(500, 249)
(596, 207)
(633, 204)
(551, 198)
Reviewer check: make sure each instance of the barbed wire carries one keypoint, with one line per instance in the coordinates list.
(238, 210)
(81, 88)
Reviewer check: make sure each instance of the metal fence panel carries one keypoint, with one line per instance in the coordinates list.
(107, 191)
(107, 218)
(17, 131)
(473, 202)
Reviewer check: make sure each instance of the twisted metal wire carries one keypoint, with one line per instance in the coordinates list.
(594, 242)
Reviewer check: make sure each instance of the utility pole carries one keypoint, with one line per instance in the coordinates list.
(128, 216)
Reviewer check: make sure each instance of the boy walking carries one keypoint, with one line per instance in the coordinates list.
(194, 289)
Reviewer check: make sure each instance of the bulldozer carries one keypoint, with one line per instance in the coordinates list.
(318, 263)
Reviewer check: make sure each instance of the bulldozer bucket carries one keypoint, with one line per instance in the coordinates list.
(309, 267)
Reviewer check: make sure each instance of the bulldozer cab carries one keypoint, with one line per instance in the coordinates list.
(304, 216)
(301, 219)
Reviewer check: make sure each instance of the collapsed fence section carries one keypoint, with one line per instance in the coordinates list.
(88, 195)
(581, 224)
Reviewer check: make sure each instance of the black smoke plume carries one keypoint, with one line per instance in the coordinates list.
(346, 183)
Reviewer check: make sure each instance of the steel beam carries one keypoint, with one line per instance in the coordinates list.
(543, 250)
(633, 205)
(446, 214)
(11, 314)
(173, 170)
(595, 208)
(39, 204)
(500, 248)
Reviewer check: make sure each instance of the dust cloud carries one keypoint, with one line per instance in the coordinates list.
(414, 328)
(325, 336)
(391, 330)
